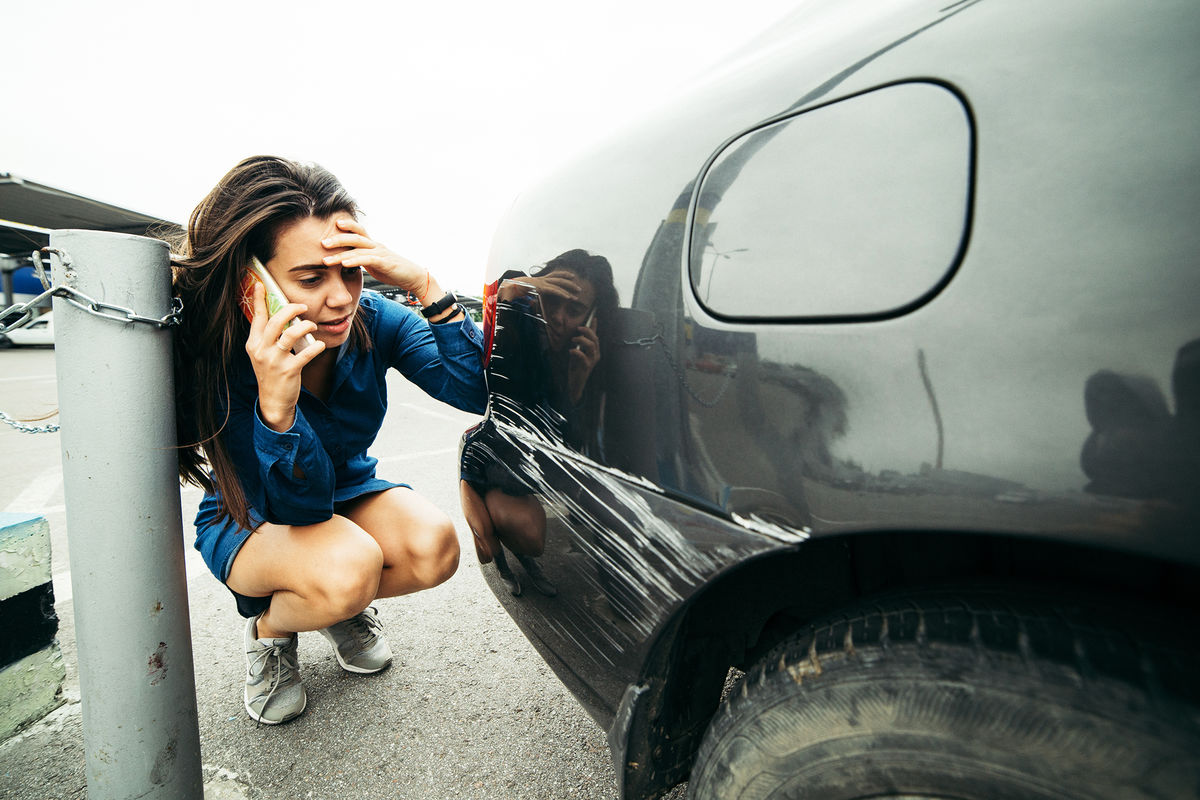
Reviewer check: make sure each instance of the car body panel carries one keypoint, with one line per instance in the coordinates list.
(1046, 390)
(904, 151)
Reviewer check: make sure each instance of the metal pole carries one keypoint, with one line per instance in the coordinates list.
(8, 265)
(116, 403)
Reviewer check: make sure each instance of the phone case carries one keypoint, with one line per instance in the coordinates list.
(254, 273)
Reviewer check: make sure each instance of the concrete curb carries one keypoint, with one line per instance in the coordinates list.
(31, 666)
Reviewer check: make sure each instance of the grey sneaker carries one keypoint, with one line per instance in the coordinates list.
(501, 562)
(358, 643)
(273, 693)
(537, 577)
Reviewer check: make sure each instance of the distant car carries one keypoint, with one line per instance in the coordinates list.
(468, 302)
(37, 332)
(387, 290)
(880, 474)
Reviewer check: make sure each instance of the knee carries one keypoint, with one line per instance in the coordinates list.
(525, 541)
(521, 525)
(433, 552)
(475, 511)
(350, 580)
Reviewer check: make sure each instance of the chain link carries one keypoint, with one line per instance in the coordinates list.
(99, 309)
(17, 315)
(657, 338)
(26, 428)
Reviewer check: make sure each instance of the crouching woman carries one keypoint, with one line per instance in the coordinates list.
(276, 412)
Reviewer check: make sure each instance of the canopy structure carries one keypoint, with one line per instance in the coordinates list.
(30, 210)
(26, 206)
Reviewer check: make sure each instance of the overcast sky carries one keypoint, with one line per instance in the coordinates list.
(434, 115)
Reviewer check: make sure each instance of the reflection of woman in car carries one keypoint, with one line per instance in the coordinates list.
(294, 520)
(549, 340)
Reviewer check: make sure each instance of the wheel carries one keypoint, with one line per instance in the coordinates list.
(959, 695)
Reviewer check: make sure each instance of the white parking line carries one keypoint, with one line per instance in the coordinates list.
(29, 378)
(423, 454)
(37, 493)
(62, 587)
(430, 412)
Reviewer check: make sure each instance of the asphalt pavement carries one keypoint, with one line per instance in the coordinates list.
(467, 710)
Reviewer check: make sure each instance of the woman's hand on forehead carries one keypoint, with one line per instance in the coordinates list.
(562, 283)
(380, 262)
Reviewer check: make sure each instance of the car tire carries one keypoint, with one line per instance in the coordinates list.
(963, 695)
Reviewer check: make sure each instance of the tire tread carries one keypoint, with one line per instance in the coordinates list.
(1099, 658)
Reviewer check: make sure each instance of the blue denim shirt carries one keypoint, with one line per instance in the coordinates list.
(297, 476)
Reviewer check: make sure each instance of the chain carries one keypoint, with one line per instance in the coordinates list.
(24, 428)
(657, 338)
(18, 315)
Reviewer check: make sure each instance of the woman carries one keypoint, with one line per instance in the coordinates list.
(551, 327)
(275, 426)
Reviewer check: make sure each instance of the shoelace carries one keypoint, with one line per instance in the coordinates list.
(285, 666)
(366, 627)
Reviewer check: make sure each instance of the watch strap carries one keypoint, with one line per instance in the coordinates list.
(433, 309)
(457, 308)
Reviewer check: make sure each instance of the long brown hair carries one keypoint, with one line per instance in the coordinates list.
(241, 217)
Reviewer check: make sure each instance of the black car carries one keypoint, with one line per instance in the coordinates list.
(844, 424)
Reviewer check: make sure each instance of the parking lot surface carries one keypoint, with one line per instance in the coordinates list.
(468, 709)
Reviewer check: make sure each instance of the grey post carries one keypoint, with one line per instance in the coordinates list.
(124, 534)
(8, 265)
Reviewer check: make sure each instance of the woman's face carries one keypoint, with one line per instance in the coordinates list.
(564, 315)
(331, 293)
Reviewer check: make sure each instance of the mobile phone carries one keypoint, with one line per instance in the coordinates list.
(254, 273)
(588, 323)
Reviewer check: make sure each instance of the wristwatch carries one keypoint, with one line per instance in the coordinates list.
(433, 309)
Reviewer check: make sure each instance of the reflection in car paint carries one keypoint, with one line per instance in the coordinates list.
(529, 446)
(643, 564)
(1137, 448)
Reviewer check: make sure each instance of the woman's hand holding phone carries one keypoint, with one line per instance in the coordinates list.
(584, 355)
(256, 273)
(277, 369)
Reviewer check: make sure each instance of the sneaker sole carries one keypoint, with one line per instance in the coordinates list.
(347, 665)
(254, 715)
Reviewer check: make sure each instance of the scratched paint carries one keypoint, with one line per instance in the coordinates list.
(623, 554)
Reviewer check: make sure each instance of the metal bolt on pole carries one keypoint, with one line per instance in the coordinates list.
(124, 533)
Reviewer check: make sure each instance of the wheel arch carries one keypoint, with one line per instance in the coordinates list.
(748, 608)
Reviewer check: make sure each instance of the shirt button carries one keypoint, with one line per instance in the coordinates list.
(287, 445)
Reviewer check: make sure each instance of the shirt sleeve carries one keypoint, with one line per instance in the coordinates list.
(287, 476)
(296, 473)
(445, 360)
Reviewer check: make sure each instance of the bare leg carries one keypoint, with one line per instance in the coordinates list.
(479, 520)
(389, 543)
(520, 522)
(420, 548)
(316, 575)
